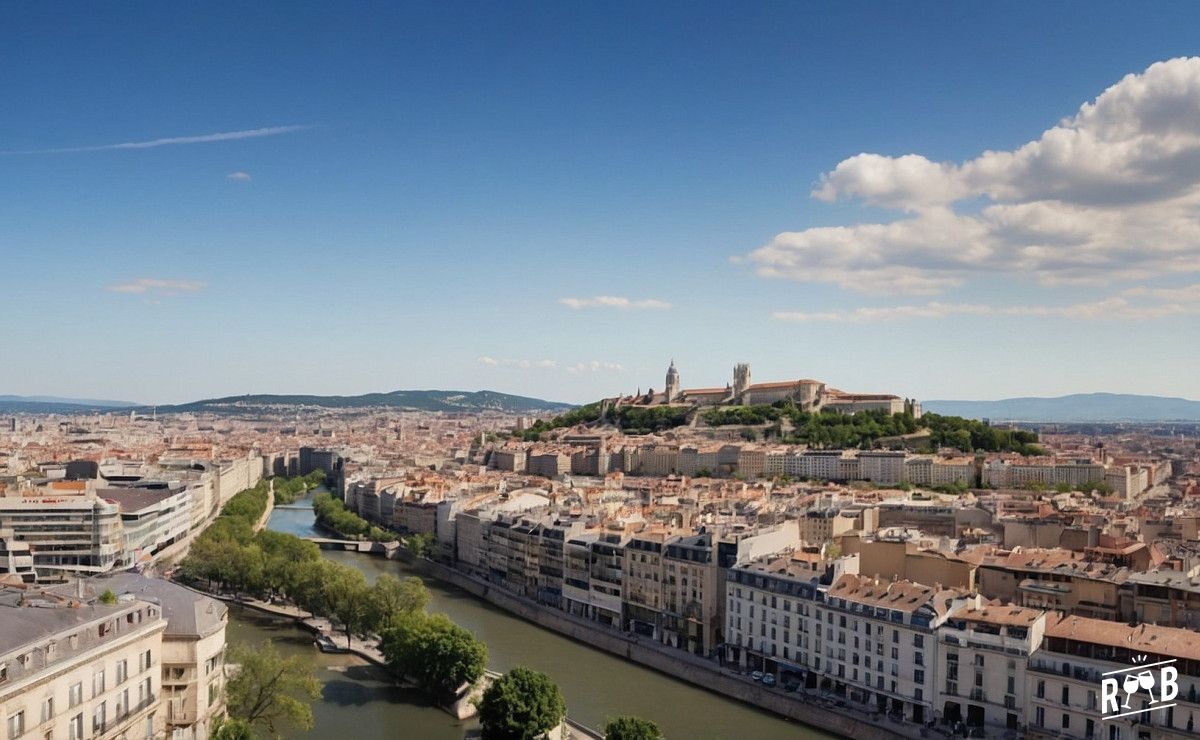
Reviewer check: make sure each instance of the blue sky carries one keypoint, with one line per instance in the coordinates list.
(434, 196)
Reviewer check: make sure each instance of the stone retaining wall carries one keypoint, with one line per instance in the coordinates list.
(685, 667)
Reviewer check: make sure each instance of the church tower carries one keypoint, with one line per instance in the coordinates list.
(741, 381)
(672, 383)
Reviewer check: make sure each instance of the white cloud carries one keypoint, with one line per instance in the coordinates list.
(594, 366)
(612, 301)
(1110, 194)
(255, 133)
(157, 286)
(1139, 303)
(238, 176)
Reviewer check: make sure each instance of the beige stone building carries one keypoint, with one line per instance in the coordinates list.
(72, 667)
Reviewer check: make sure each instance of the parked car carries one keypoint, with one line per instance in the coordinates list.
(768, 680)
(757, 675)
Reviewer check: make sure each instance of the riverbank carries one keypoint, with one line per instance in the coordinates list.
(811, 709)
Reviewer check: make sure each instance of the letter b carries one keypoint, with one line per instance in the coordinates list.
(1169, 684)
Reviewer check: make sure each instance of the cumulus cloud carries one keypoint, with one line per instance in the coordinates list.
(1134, 304)
(157, 286)
(238, 176)
(1109, 194)
(254, 133)
(594, 366)
(612, 301)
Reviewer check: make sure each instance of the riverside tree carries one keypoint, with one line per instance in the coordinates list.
(270, 692)
(434, 651)
(523, 704)
(631, 728)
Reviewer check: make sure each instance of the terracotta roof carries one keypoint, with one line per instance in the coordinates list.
(1171, 642)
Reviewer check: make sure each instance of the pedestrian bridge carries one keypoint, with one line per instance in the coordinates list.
(327, 543)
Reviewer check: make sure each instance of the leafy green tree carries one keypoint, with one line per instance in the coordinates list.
(229, 728)
(391, 597)
(349, 599)
(420, 545)
(523, 704)
(631, 728)
(435, 652)
(271, 692)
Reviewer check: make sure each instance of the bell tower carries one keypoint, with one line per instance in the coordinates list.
(741, 381)
(672, 392)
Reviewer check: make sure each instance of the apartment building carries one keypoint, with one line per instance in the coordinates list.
(869, 640)
(1064, 680)
(644, 583)
(193, 652)
(983, 655)
(72, 667)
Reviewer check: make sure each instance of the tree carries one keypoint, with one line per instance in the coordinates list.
(348, 598)
(632, 728)
(391, 597)
(434, 651)
(228, 728)
(523, 704)
(420, 545)
(270, 691)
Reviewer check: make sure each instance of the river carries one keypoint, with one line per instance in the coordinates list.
(597, 686)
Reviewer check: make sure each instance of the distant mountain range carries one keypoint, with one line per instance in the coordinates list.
(1078, 407)
(416, 400)
(57, 405)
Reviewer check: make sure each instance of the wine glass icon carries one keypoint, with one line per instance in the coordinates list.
(1146, 681)
(1130, 684)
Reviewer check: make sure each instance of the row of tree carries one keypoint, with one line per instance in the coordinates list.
(333, 515)
(288, 490)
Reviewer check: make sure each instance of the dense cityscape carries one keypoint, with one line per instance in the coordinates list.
(902, 585)
(687, 370)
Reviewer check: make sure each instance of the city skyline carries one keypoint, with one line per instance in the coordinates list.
(281, 199)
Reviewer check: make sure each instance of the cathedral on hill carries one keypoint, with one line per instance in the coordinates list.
(807, 394)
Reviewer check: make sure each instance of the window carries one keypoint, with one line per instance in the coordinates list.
(47, 708)
(122, 671)
(1041, 691)
(99, 719)
(16, 725)
(97, 683)
(3, 672)
(76, 694)
(76, 727)
(1039, 716)
(1066, 721)
(1066, 696)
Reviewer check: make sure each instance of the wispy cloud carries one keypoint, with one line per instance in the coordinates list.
(238, 176)
(156, 286)
(613, 301)
(594, 366)
(1134, 304)
(254, 133)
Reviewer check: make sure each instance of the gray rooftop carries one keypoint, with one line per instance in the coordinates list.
(189, 614)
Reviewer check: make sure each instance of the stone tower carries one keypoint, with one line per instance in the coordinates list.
(741, 380)
(672, 383)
